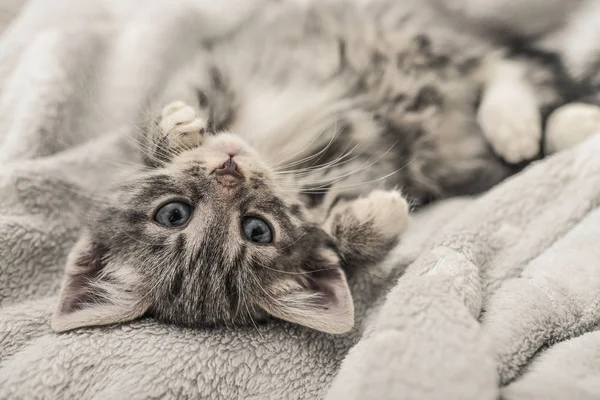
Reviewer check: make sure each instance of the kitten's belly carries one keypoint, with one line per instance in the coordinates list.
(402, 101)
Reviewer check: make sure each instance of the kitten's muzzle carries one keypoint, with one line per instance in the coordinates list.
(229, 174)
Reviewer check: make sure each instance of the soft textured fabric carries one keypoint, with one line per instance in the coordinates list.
(501, 294)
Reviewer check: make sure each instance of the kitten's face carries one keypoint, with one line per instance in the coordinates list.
(205, 239)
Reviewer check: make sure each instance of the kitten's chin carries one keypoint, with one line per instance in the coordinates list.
(228, 181)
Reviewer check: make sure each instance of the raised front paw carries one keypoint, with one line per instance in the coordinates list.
(181, 125)
(382, 214)
(385, 211)
(511, 122)
(367, 228)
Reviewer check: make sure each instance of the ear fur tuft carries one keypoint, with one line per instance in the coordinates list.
(320, 300)
(94, 291)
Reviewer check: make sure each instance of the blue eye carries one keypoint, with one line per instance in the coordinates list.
(173, 214)
(257, 230)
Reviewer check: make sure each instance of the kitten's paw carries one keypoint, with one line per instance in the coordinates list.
(181, 125)
(386, 210)
(571, 124)
(511, 122)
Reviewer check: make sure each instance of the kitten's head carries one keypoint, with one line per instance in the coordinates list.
(205, 238)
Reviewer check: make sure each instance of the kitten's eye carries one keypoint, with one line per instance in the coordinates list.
(173, 214)
(257, 230)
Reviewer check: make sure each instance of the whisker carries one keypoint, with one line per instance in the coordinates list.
(313, 169)
(295, 241)
(319, 155)
(336, 189)
(327, 183)
(248, 310)
(269, 160)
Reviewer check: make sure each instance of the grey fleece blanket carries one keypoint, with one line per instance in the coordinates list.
(500, 297)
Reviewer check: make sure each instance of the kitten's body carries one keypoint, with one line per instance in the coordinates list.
(328, 103)
(384, 82)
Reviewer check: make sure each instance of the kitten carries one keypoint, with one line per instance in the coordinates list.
(208, 238)
(332, 105)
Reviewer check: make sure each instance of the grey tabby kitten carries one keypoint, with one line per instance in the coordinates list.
(277, 178)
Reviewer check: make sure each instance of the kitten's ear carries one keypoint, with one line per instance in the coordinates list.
(319, 300)
(94, 293)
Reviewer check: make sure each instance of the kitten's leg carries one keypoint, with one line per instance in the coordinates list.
(509, 114)
(178, 128)
(571, 124)
(368, 227)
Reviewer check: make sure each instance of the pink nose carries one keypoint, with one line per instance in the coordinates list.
(229, 175)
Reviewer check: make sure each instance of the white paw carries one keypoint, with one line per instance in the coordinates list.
(511, 122)
(181, 125)
(571, 124)
(387, 210)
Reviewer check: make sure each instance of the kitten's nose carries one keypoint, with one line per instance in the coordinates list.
(229, 175)
(230, 165)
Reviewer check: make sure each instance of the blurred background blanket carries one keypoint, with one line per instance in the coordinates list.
(501, 294)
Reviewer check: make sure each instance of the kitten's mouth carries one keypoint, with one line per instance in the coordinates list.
(229, 174)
